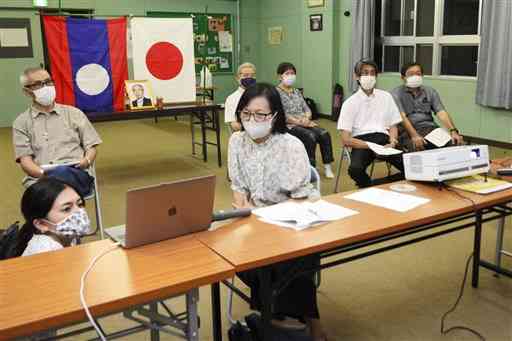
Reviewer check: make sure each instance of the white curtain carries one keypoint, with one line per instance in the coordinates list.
(494, 85)
(363, 34)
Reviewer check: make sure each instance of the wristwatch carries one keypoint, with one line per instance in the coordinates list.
(454, 130)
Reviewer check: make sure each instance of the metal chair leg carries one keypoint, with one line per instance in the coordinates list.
(372, 168)
(338, 175)
(499, 241)
(231, 319)
(97, 204)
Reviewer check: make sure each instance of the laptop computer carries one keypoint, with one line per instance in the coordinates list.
(166, 211)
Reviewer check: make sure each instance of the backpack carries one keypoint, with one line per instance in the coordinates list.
(337, 101)
(8, 240)
(315, 115)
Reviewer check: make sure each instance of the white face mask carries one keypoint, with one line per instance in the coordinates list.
(414, 81)
(367, 82)
(45, 96)
(289, 80)
(76, 224)
(258, 130)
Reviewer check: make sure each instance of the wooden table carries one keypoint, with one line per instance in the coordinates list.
(251, 244)
(199, 115)
(41, 292)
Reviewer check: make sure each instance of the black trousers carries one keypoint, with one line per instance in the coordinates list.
(360, 159)
(297, 300)
(310, 137)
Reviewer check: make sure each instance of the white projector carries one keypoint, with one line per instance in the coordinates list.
(446, 163)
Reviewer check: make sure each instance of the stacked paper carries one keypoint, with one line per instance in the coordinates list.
(301, 215)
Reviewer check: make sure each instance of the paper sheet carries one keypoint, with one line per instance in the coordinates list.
(302, 215)
(438, 137)
(225, 41)
(381, 150)
(388, 199)
(13, 37)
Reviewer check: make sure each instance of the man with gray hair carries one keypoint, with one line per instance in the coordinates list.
(51, 137)
(246, 76)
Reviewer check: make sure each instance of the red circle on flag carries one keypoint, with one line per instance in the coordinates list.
(164, 60)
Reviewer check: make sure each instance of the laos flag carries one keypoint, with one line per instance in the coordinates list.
(88, 61)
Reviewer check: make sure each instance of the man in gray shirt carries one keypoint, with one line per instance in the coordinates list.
(416, 103)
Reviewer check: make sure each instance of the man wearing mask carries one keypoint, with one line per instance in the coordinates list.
(246, 76)
(417, 102)
(49, 134)
(369, 115)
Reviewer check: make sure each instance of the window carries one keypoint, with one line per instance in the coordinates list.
(442, 35)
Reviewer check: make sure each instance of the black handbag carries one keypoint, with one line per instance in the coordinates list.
(8, 241)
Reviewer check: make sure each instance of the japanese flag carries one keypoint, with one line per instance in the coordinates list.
(163, 53)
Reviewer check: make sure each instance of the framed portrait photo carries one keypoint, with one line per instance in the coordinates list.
(316, 22)
(140, 94)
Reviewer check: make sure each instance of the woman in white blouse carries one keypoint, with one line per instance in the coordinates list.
(54, 217)
(268, 166)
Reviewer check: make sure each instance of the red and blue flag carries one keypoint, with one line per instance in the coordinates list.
(88, 61)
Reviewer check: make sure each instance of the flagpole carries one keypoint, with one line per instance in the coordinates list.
(204, 55)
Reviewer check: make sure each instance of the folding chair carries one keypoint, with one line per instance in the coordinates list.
(95, 194)
(345, 154)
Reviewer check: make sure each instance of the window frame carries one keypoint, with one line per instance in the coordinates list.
(438, 40)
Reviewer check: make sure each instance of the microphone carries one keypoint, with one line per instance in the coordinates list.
(228, 214)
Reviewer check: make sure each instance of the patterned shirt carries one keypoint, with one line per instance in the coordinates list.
(293, 104)
(41, 243)
(269, 172)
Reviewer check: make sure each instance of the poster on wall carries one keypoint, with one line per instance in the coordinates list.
(275, 35)
(15, 38)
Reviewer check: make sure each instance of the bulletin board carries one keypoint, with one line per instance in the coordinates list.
(213, 39)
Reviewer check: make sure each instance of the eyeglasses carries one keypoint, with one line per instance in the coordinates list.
(40, 84)
(245, 115)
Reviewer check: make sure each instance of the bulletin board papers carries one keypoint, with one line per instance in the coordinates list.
(225, 41)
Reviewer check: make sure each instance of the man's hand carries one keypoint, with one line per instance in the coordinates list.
(457, 139)
(84, 164)
(418, 142)
(312, 124)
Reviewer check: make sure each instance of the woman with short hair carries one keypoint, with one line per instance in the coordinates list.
(268, 166)
(298, 119)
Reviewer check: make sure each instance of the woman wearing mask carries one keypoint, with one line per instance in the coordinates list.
(268, 166)
(298, 119)
(54, 217)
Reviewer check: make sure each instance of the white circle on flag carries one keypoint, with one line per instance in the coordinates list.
(92, 79)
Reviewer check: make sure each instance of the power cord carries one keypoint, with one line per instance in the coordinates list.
(452, 309)
(461, 291)
(82, 289)
(458, 194)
